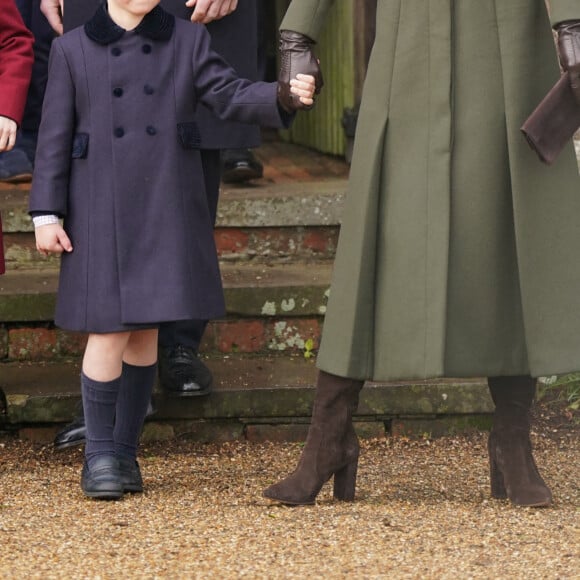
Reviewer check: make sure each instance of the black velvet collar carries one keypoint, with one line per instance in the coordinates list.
(156, 25)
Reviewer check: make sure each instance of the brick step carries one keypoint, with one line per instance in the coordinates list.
(269, 308)
(250, 392)
(260, 244)
(270, 222)
(292, 289)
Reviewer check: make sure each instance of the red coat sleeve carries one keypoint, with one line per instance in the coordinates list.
(15, 61)
(2, 266)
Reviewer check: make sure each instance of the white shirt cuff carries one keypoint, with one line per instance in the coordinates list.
(45, 220)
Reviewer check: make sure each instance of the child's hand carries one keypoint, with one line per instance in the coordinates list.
(303, 86)
(8, 129)
(52, 239)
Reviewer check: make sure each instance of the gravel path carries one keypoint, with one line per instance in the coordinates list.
(422, 511)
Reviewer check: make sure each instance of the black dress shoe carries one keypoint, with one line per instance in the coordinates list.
(130, 475)
(240, 165)
(181, 372)
(75, 433)
(3, 403)
(103, 479)
(15, 167)
(72, 434)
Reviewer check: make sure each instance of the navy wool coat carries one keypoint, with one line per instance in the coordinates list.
(118, 158)
(234, 37)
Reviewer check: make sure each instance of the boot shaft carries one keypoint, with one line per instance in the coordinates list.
(513, 398)
(513, 471)
(333, 391)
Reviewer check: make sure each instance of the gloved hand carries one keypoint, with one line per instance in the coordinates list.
(569, 52)
(296, 57)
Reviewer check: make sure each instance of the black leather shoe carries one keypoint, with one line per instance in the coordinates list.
(103, 480)
(130, 475)
(3, 403)
(240, 165)
(15, 167)
(181, 372)
(75, 433)
(72, 434)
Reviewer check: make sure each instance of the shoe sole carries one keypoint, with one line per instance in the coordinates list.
(241, 176)
(289, 503)
(133, 489)
(20, 178)
(76, 443)
(106, 495)
(179, 394)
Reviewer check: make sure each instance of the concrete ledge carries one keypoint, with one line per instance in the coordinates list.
(309, 203)
(315, 203)
(294, 289)
(258, 391)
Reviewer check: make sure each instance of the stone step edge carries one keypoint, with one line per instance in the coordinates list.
(269, 246)
(311, 203)
(287, 290)
(268, 431)
(269, 388)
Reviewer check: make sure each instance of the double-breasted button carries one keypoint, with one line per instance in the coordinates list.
(151, 130)
(116, 51)
(148, 90)
(147, 48)
(119, 132)
(118, 92)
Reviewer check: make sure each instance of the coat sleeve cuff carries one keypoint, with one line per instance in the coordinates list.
(563, 10)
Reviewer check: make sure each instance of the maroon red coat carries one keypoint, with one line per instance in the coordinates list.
(15, 61)
(15, 68)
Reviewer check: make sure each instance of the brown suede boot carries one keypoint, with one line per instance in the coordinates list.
(331, 446)
(513, 471)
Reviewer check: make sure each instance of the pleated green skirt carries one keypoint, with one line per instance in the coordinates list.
(459, 252)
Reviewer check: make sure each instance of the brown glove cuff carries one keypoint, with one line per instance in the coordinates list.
(296, 57)
(569, 52)
(290, 40)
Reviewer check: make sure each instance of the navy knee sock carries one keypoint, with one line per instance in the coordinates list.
(134, 397)
(99, 402)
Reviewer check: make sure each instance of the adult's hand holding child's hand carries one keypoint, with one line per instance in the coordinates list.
(297, 57)
(52, 239)
(52, 10)
(206, 11)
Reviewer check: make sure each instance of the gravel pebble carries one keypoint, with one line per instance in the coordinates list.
(423, 511)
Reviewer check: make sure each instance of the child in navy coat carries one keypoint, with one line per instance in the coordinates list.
(118, 159)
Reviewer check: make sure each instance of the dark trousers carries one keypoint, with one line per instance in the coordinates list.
(43, 36)
(189, 332)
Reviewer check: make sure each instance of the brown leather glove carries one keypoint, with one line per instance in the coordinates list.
(569, 52)
(296, 57)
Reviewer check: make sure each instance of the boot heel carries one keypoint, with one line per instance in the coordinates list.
(345, 481)
(498, 490)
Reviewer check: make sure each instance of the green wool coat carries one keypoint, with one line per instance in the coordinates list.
(459, 252)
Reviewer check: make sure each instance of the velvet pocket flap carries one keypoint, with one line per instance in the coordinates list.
(80, 147)
(189, 135)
